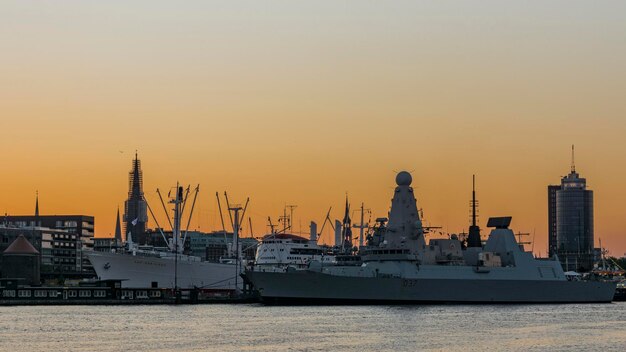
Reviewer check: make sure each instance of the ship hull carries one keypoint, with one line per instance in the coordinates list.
(309, 287)
(140, 271)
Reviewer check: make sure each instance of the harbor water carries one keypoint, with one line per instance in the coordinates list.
(254, 327)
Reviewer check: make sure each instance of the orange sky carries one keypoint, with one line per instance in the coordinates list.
(299, 103)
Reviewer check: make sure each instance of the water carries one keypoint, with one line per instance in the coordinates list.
(252, 327)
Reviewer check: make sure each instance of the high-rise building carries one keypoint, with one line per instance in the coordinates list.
(135, 208)
(552, 228)
(570, 221)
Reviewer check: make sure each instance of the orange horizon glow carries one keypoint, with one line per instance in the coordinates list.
(299, 103)
(452, 217)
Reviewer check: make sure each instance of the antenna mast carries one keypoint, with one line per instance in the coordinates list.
(473, 200)
(361, 226)
(291, 208)
(269, 220)
(473, 238)
(573, 167)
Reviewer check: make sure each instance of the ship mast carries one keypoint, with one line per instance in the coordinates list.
(473, 238)
(177, 201)
(361, 226)
(236, 209)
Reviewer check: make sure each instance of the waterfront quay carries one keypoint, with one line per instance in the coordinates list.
(110, 292)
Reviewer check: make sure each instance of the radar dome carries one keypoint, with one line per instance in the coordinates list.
(404, 178)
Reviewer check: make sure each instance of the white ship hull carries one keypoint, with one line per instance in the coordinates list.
(141, 271)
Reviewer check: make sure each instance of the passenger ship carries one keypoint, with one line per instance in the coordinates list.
(277, 251)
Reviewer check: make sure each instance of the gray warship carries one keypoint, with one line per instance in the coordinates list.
(398, 266)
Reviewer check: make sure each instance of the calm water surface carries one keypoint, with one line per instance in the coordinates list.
(594, 327)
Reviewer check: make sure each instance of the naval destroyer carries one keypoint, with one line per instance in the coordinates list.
(398, 266)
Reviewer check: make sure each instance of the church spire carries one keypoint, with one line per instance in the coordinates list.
(118, 229)
(37, 203)
(135, 207)
(347, 228)
(136, 180)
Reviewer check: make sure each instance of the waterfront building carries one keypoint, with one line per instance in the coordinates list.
(135, 207)
(154, 238)
(61, 252)
(214, 245)
(570, 222)
(21, 261)
(59, 239)
(104, 244)
(74, 234)
(552, 228)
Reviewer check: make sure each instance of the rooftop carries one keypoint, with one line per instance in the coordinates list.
(21, 246)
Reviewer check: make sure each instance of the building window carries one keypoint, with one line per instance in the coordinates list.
(84, 293)
(23, 293)
(52, 294)
(8, 293)
(99, 293)
(71, 293)
(71, 224)
(40, 293)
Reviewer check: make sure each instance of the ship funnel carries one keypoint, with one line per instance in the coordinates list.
(337, 233)
(313, 236)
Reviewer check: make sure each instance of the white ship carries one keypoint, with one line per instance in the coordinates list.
(281, 251)
(169, 268)
(143, 268)
(278, 251)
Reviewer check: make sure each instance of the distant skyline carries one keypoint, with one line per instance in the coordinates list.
(300, 102)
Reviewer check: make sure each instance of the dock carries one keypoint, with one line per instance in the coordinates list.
(111, 292)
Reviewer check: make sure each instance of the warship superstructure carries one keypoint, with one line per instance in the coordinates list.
(399, 266)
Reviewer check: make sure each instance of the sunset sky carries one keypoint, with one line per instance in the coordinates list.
(293, 102)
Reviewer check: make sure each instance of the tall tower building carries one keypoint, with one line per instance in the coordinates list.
(135, 208)
(570, 221)
(552, 228)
